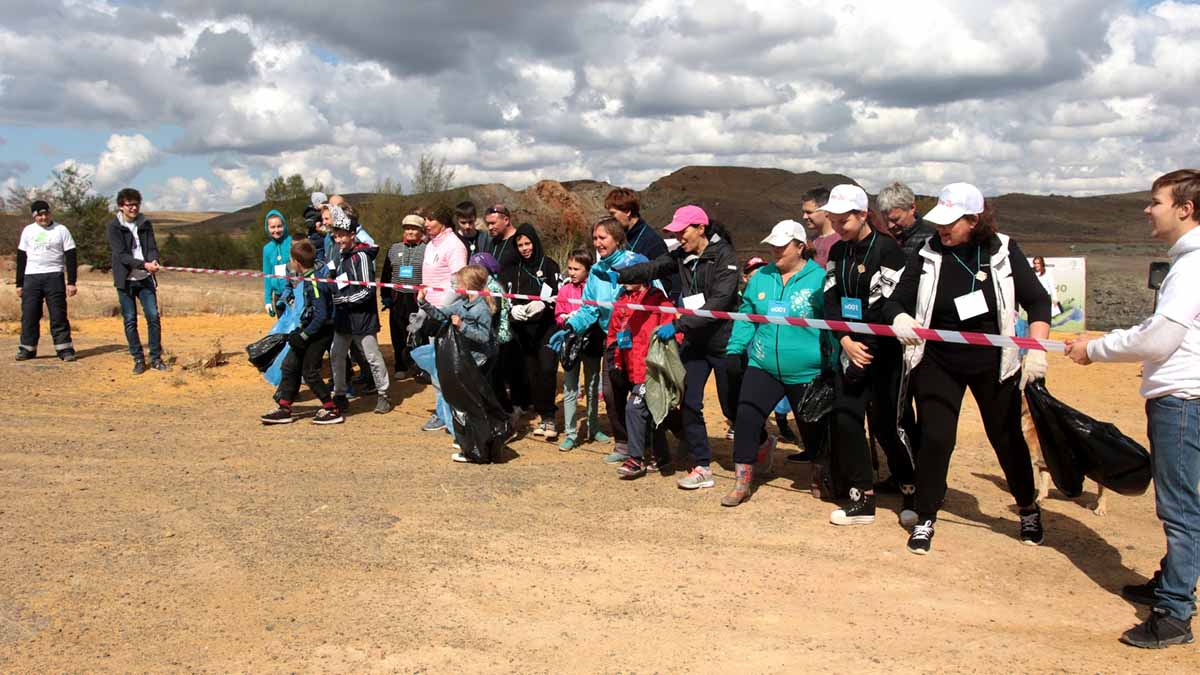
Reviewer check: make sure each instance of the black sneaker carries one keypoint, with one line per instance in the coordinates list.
(139, 367)
(160, 365)
(861, 510)
(67, 356)
(279, 415)
(920, 537)
(908, 512)
(422, 377)
(25, 355)
(1142, 594)
(631, 468)
(328, 416)
(1160, 630)
(1031, 527)
(804, 457)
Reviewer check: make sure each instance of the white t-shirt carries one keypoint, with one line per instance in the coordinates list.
(45, 248)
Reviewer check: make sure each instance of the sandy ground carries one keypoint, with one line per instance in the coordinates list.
(152, 524)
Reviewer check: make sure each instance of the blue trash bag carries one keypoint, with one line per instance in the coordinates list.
(287, 322)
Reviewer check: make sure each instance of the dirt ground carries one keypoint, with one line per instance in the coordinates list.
(153, 524)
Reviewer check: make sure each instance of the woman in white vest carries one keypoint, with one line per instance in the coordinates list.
(969, 278)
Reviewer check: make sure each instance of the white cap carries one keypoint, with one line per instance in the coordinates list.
(784, 232)
(846, 198)
(318, 198)
(957, 200)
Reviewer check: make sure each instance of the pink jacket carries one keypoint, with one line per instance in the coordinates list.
(561, 306)
(445, 254)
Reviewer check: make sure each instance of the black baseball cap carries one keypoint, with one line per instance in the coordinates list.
(39, 206)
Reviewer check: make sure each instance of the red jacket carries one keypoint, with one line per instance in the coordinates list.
(641, 326)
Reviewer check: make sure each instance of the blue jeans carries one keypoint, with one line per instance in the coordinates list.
(1174, 430)
(590, 365)
(133, 293)
(426, 359)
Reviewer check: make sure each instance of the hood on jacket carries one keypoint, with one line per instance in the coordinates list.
(1187, 243)
(534, 260)
(286, 232)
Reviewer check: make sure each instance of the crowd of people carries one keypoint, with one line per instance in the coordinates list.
(948, 269)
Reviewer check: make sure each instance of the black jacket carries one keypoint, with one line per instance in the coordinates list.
(647, 241)
(120, 242)
(715, 273)
(355, 310)
(317, 316)
(911, 239)
(882, 263)
(526, 278)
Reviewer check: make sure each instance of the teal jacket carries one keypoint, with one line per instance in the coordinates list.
(789, 353)
(602, 286)
(275, 252)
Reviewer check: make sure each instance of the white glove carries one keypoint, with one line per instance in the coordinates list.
(904, 325)
(518, 312)
(534, 308)
(270, 309)
(1033, 367)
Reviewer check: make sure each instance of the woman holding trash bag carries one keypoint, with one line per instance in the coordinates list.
(969, 278)
(709, 276)
(532, 320)
(862, 272)
(782, 361)
(608, 238)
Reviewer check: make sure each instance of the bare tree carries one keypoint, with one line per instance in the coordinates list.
(432, 175)
(389, 186)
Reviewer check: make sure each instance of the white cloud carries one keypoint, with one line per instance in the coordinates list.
(124, 159)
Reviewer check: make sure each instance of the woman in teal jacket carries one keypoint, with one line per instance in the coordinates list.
(276, 254)
(781, 360)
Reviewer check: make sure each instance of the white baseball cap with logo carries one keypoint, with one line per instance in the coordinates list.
(785, 231)
(955, 201)
(846, 198)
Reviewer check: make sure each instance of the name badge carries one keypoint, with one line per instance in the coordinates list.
(546, 293)
(281, 270)
(404, 271)
(342, 280)
(777, 308)
(624, 340)
(971, 305)
(693, 301)
(852, 309)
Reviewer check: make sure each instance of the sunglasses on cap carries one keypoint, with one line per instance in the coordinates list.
(497, 209)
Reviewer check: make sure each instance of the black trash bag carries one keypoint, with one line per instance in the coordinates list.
(576, 346)
(262, 353)
(818, 398)
(1075, 445)
(481, 426)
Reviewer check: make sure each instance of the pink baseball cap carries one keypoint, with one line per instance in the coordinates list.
(686, 216)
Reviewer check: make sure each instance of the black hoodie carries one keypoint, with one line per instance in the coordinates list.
(526, 277)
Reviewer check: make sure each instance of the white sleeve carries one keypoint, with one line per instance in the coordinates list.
(1153, 340)
(23, 243)
(67, 239)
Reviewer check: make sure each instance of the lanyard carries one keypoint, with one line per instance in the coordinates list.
(533, 276)
(639, 237)
(845, 267)
(978, 266)
(503, 245)
(693, 283)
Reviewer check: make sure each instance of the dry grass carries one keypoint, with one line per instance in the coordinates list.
(178, 293)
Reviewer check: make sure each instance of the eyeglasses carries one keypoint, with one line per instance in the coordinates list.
(499, 209)
(131, 205)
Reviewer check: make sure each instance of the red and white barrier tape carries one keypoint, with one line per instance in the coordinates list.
(930, 334)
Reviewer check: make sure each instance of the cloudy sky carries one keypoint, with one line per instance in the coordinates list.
(200, 102)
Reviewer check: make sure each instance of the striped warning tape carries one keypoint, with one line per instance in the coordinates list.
(957, 337)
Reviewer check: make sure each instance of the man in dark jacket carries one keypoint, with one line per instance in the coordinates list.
(898, 204)
(475, 239)
(709, 275)
(623, 205)
(134, 264)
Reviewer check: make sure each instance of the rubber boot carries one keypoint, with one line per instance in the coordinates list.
(741, 489)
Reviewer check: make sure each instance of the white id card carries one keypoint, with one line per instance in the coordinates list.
(342, 280)
(546, 293)
(971, 305)
(693, 301)
(281, 270)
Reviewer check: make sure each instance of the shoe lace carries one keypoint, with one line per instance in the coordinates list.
(1031, 522)
(923, 531)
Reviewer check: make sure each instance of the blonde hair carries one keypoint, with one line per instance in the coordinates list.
(474, 278)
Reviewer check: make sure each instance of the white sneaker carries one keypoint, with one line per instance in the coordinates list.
(699, 477)
(459, 457)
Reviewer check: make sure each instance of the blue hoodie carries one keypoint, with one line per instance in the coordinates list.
(602, 286)
(276, 252)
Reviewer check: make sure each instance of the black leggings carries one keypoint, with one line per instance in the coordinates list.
(878, 386)
(306, 365)
(616, 396)
(760, 392)
(939, 394)
(398, 316)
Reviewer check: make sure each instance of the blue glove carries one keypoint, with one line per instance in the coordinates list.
(666, 331)
(556, 340)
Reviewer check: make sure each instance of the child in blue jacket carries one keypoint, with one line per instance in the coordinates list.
(308, 343)
(276, 254)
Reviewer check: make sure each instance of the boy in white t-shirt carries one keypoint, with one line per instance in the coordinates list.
(1168, 345)
(45, 251)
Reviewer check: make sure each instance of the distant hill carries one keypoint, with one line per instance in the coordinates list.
(749, 201)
